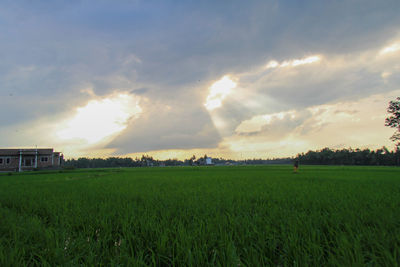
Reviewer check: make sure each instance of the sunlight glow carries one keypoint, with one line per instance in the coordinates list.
(390, 49)
(272, 64)
(218, 92)
(293, 63)
(307, 60)
(385, 74)
(100, 118)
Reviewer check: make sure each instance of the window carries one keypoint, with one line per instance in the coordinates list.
(1, 161)
(44, 159)
(8, 161)
(28, 162)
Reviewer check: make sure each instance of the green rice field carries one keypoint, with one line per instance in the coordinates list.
(202, 216)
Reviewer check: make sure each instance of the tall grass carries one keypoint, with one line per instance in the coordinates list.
(202, 216)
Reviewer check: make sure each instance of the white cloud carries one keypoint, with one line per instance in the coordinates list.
(272, 64)
(173, 58)
(293, 63)
(342, 124)
(100, 119)
(218, 91)
(307, 60)
(256, 123)
(385, 74)
(84, 132)
(390, 49)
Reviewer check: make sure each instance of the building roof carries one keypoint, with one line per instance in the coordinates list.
(25, 151)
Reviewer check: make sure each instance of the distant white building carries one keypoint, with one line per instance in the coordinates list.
(204, 161)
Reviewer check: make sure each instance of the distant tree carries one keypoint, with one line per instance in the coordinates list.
(192, 159)
(393, 120)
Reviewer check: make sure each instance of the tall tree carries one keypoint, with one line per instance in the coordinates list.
(393, 120)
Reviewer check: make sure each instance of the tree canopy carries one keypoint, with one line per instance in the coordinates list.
(393, 120)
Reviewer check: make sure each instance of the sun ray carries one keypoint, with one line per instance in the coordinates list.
(218, 92)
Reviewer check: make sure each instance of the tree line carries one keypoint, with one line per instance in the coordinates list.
(350, 156)
(149, 161)
(325, 156)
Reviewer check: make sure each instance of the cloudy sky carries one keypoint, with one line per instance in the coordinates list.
(237, 79)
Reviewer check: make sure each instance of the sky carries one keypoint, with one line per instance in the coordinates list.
(172, 79)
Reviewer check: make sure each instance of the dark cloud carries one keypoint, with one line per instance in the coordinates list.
(165, 127)
(140, 91)
(307, 89)
(52, 51)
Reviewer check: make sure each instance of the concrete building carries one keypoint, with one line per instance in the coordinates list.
(204, 161)
(29, 159)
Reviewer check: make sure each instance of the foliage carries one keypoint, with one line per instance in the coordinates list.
(193, 216)
(393, 120)
(324, 156)
(350, 156)
(147, 161)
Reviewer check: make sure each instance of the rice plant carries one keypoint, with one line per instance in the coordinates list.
(202, 216)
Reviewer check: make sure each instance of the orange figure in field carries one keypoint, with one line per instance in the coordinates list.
(296, 166)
